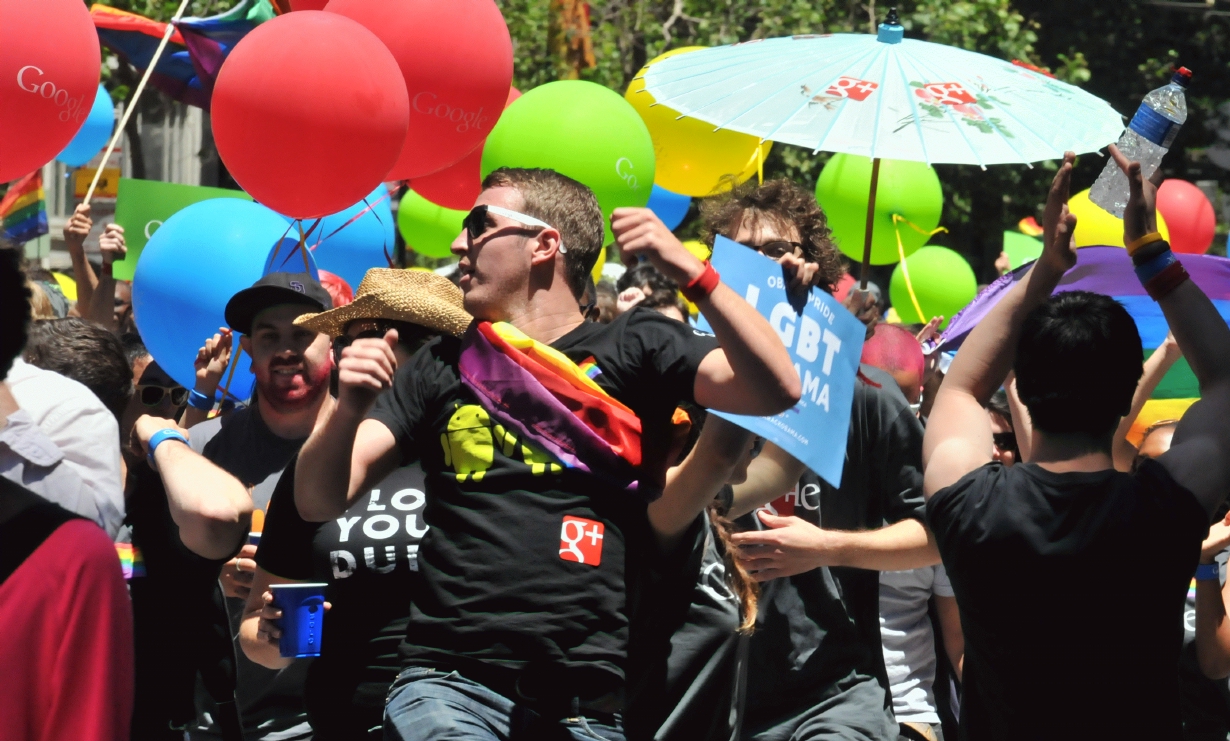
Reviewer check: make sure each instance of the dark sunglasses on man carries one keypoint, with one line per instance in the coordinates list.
(1005, 441)
(475, 222)
(152, 396)
(409, 336)
(778, 248)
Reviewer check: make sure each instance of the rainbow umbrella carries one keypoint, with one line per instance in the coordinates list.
(1108, 271)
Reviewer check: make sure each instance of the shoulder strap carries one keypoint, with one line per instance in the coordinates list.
(26, 531)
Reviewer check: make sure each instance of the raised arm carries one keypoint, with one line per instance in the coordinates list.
(752, 373)
(75, 233)
(693, 484)
(1022, 424)
(1156, 367)
(773, 473)
(958, 438)
(348, 450)
(210, 506)
(102, 302)
(1197, 458)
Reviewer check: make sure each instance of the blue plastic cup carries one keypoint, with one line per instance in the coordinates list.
(303, 616)
(254, 539)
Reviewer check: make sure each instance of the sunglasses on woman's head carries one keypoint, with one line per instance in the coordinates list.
(152, 396)
(1004, 440)
(475, 222)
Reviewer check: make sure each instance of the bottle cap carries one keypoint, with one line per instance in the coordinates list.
(1182, 77)
(890, 31)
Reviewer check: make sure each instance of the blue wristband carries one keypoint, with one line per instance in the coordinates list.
(1147, 271)
(158, 438)
(200, 401)
(1208, 572)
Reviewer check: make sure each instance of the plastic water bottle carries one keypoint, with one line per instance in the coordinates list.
(1146, 140)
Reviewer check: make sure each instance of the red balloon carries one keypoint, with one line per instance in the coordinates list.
(49, 63)
(456, 57)
(457, 186)
(308, 4)
(309, 113)
(1189, 215)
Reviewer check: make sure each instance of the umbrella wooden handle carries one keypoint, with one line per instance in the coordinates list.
(871, 217)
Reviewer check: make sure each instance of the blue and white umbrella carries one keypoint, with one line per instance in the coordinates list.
(885, 96)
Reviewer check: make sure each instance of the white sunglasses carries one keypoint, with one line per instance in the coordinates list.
(475, 222)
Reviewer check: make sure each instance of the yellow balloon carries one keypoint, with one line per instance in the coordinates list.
(1097, 227)
(67, 285)
(596, 273)
(692, 158)
(699, 249)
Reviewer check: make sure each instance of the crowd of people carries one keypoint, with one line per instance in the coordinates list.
(529, 526)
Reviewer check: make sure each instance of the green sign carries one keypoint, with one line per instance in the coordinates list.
(142, 206)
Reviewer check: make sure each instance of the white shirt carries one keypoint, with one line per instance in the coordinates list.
(28, 457)
(83, 430)
(909, 641)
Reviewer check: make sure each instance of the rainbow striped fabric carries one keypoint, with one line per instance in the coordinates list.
(545, 397)
(1108, 271)
(132, 563)
(23, 209)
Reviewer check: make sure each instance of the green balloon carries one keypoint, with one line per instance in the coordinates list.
(1021, 248)
(579, 129)
(427, 228)
(908, 189)
(943, 282)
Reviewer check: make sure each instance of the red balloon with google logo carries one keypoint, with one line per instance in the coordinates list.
(456, 58)
(49, 63)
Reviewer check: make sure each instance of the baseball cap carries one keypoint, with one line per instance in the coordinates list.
(272, 290)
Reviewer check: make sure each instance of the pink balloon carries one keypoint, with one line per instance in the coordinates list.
(49, 63)
(1189, 215)
(308, 4)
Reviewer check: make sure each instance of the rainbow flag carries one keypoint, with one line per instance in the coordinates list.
(1108, 271)
(23, 209)
(546, 398)
(132, 563)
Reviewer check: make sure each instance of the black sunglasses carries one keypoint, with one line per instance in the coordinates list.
(777, 248)
(475, 222)
(1004, 440)
(152, 396)
(409, 336)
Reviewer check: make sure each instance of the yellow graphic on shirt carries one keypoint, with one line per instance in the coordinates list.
(470, 441)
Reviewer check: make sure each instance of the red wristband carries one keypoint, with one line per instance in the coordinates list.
(702, 285)
(1161, 285)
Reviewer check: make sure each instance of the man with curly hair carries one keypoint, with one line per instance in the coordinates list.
(816, 666)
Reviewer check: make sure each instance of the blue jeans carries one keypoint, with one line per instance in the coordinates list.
(430, 705)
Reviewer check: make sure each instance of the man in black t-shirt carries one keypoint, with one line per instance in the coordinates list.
(214, 476)
(531, 567)
(1069, 575)
(816, 663)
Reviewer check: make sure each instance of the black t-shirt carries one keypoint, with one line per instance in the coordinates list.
(1071, 589)
(270, 700)
(524, 568)
(369, 558)
(170, 652)
(822, 627)
(688, 675)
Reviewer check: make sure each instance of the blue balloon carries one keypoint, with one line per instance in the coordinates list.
(190, 268)
(670, 207)
(93, 134)
(348, 250)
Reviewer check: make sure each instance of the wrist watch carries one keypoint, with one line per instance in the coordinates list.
(1208, 572)
(160, 437)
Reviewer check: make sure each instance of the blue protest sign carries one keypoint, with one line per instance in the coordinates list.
(825, 341)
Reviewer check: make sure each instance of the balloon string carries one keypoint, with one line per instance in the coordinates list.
(132, 105)
(898, 219)
(230, 375)
(356, 217)
(307, 268)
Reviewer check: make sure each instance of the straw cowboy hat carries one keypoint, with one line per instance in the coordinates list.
(414, 296)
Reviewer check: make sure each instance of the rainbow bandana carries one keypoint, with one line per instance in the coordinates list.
(537, 391)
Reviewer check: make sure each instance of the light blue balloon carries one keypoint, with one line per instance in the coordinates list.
(190, 268)
(670, 207)
(93, 134)
(349, 250)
